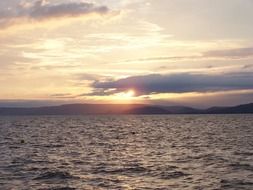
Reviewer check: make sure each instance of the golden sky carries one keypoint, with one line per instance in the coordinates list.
(174, 52)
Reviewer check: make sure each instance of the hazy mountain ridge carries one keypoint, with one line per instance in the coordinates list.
(85, 109)
(245, 108)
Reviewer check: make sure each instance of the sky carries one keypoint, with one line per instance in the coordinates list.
(169, 52)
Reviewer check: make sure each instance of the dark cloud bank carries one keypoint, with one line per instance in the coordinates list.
(176, 83)
(41, 9)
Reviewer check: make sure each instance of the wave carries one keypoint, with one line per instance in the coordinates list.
(55, 175)
(59, 188)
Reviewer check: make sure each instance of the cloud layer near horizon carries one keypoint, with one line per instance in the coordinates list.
(177, 83)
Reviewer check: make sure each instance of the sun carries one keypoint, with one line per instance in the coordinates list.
(127, 94)
(130, 93)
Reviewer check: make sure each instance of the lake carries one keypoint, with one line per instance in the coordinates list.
(192, 152)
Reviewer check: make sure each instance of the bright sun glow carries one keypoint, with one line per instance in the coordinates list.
(126, 95)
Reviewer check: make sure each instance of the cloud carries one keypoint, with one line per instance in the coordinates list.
(165, 58)
(237, 53)
(176, 83)
(43, 9)
(231, 98)
(62, 95)
(34, 103)
(247, 66)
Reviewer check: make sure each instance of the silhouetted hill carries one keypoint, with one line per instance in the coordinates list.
(148, 110)
(182, 110)
(72, 109)
(246, 108)
(85, 109)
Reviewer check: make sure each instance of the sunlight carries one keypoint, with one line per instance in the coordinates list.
(126, 95)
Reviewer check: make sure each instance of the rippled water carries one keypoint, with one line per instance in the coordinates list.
(126, 152)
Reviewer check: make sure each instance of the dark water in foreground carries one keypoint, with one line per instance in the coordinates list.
(126, 152)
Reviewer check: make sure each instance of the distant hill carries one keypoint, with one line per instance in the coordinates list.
(246, 108)
(86, 109)
(182, 110)
(148, 110)
(72, 109)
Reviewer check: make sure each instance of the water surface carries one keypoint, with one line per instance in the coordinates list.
(126, 152)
